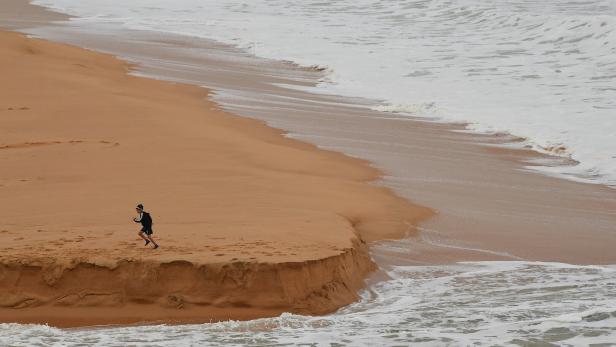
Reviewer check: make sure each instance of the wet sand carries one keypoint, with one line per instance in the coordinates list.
(490, 203)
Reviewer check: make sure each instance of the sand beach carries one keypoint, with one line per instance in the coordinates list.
(251, 223)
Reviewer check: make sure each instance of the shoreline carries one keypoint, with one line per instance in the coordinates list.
(251, 224)
(491, 205)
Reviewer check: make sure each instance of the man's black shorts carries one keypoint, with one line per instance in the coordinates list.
(147, 230)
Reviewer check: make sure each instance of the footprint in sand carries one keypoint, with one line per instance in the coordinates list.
(21, 108)
(219, 254)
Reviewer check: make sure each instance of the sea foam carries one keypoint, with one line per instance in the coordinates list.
(476, 303)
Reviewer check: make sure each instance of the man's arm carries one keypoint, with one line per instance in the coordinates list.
(138, 219)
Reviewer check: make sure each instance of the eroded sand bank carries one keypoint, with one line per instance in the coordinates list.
(250, 223)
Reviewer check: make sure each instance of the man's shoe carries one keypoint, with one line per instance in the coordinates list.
(146, 242)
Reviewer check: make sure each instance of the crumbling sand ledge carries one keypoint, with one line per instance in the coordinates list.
(251, 224)
(179, 291)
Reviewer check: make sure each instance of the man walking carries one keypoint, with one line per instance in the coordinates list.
(146, 222)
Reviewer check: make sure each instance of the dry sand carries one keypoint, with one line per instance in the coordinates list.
(250, 223)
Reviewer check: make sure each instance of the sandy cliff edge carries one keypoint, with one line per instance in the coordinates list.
(251, 223)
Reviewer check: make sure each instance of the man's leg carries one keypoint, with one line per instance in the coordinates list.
(152, 240)
(144, 238)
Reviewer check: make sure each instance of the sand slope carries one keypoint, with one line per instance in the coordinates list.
(250, 223)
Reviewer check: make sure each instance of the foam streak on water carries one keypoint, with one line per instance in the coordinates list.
(482, 304)
(544, 70)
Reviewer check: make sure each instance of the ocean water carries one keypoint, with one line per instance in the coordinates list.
(467, 304)
(542, 70)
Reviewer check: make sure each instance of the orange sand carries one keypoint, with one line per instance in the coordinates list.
(250, 223)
